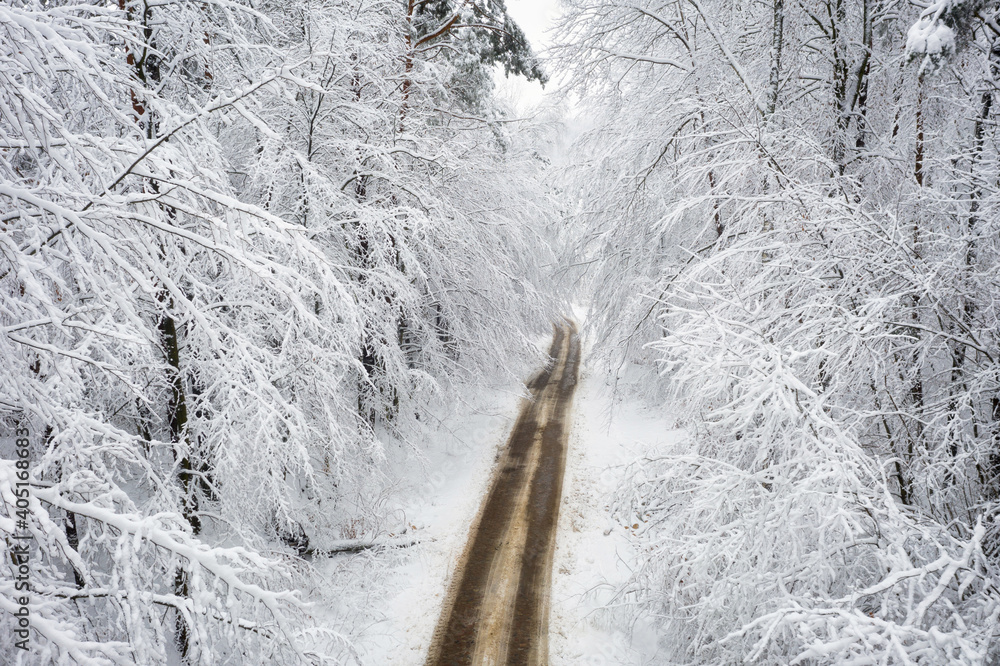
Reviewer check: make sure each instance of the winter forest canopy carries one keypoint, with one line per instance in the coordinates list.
(246, 247)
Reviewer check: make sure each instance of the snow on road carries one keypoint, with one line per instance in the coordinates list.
(402, 592)
(498, 605)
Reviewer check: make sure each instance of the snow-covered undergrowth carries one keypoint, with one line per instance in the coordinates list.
(771, 535)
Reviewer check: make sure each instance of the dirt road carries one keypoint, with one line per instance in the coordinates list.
(498, 607)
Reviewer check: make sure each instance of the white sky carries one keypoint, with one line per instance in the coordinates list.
(534, 17)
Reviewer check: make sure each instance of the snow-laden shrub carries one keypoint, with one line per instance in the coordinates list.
(783, 543)
(790, 527)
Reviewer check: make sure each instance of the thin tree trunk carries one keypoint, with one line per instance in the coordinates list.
(146, 70)
(838, 21)
(720, 228)
(411, 6)
(864, 71)
(985, 471)
(918, 159)
(777, 46)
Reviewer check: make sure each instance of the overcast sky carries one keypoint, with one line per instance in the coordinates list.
(534, 17)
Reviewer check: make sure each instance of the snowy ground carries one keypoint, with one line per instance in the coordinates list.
(393, 600)
(593, 554)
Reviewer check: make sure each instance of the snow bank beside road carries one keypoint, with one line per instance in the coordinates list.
(403, 590)
(593, 553)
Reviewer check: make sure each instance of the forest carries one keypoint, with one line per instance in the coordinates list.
(248, 248)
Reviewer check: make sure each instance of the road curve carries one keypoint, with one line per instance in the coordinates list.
(497, 610)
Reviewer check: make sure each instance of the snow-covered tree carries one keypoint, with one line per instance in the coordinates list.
(790, 223)
(227, 268)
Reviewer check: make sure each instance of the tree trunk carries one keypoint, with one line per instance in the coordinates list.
(411, 7)
(777, 45)
(918, 158)
(147, 71)
(864, 70)
(838, 34)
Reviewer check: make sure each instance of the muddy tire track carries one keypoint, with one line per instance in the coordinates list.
(498, 606)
